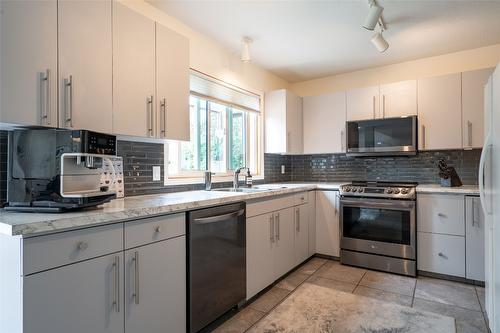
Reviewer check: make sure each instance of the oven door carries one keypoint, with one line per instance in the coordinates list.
(378, 226)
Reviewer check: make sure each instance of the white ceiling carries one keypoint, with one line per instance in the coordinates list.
(301, 40)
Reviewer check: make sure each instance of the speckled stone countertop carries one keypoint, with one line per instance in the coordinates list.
(132, 208)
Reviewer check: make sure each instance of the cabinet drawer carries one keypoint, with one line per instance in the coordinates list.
(154, 229)
(443, 254)
(45, 252)
(300, 198)
(443, 214)
(266, 205)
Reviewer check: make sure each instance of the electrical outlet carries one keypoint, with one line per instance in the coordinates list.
(156, 173)
(282, 169)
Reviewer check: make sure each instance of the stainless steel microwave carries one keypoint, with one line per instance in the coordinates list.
(387, 136)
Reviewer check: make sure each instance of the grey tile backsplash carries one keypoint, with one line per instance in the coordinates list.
(139, 158)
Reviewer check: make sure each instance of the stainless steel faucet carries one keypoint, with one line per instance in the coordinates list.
(236, 177)
(208, 180)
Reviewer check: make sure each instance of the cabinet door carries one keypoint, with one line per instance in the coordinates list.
(441, 213)
(398, 99)
(362, 103)
(301, 233)
(260, 253)
(77, 298)
(172, 79)
(324, 123)
(311, 206)
(294, 139)
(133, 72)
(155, 287)
(284, 258)
(85, 65)
(28, 62)
(440, 112)
(474, 236)
(327, 223)
(473, 83)
(275, 120)
(443, 254)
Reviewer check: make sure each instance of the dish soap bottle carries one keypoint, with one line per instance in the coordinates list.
(248, 179)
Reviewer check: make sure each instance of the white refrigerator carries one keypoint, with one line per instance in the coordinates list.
(489, 185)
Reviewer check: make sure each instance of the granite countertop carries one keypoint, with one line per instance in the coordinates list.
(131, 208)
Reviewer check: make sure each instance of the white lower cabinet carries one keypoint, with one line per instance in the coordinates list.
(155, 287)
(443, 254)
(474, 235)
(327, 223)
(284, 258)
(301, 233)
(311, 206)
(78, 298)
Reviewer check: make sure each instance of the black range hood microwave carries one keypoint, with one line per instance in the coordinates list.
(382, 137)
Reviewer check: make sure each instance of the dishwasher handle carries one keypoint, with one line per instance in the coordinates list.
(218, 218)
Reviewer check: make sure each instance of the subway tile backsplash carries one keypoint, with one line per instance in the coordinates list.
(139, 159)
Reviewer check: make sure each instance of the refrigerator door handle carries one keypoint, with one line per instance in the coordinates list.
(482, 163)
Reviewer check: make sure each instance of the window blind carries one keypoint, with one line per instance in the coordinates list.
(217, 91)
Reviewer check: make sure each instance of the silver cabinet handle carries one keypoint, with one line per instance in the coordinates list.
(45, 101)
(163, 117)
(342, 141)
(271, 228)
(469, 133)
(157, 229)
(298, 219)
(374, 114)
(135, 259)
(149, 102)
(383, 106)
(278, 226)
(288, 142)
(441, 215)
(68, 83)
(82, 246)
(442, 255)
(116, 289)
(423, 136)
(474, 214)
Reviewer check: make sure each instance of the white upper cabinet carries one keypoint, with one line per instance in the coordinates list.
(473, 83)
(324, 123)
(283, 116)
(85, 65)
(172, 79)
(439, 112)
(133, 72)
(28, 62)
(398, 99)
(363, 103)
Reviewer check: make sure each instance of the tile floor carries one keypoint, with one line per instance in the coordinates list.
(462, 301)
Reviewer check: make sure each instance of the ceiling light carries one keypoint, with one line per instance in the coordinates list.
(245, 49)
(379, 41)
(374, 15)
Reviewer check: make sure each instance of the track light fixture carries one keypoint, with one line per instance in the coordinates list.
(374, 16)
(379, 41)
(245, 49)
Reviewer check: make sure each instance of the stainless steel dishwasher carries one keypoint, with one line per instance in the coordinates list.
(216, 262)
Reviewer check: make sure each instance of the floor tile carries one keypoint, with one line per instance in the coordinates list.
(335, 271)
(240, 322)
(467, 321)
(389, 282)
(447, 292)
(269, 300)
(384, 295)
(292, 281)
(332, 284)
(312, 265)
(480, 294)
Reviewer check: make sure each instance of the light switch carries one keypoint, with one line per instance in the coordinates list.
(156, 173)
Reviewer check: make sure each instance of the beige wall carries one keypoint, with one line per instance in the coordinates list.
(440, 65)
(211, 58)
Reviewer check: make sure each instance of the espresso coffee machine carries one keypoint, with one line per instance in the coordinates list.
(54, 170)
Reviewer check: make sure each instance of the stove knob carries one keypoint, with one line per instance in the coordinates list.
(361, 190)
(347, 189)
(354, 189)
(404, 191)
(396, 191)
(388, 191)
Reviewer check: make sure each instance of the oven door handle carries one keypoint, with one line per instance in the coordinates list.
(378, 203)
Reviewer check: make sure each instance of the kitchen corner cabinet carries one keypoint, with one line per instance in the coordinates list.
(311, 206)
(283, 119)
(85, 65)
(133, 72)
(439, 112)
(324, 123)
(398, 99)
(28, 62)
(473, 83)
(327, 223)
(172, 85)
(474, 235)
(301, 233)
(363, 103)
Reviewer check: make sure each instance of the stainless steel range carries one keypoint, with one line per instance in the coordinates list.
(378, 226)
